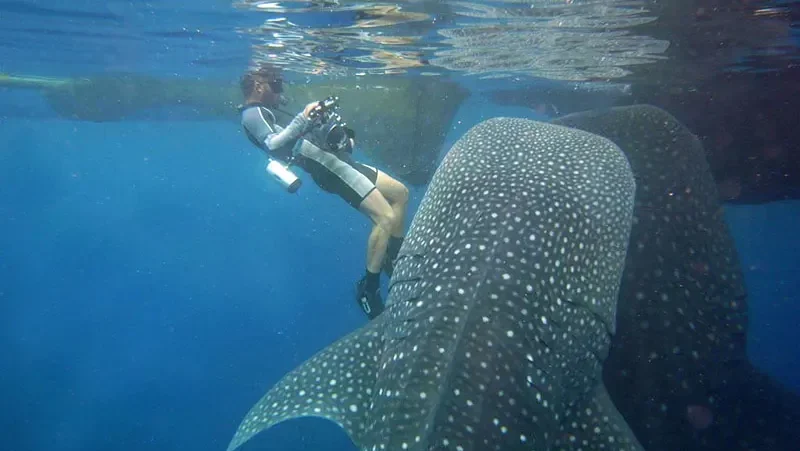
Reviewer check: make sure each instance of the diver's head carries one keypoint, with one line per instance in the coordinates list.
(264, 85)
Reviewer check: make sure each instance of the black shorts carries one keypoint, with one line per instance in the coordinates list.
(341, 175)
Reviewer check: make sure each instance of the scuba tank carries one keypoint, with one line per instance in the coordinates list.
(283, 175)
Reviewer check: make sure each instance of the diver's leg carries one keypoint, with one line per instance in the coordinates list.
(397, 195)
(383, 218)
(355, 184)
(380, 212)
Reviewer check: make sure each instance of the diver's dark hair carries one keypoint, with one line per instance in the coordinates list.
(265, 72)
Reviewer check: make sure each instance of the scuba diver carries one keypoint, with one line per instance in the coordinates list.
(319, 141)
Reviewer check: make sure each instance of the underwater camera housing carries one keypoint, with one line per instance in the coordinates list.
(325, 109)
(331, 131)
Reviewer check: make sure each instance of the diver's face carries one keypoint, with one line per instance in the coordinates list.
(269, 91)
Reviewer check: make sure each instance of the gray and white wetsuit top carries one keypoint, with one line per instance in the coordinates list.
(338, 174)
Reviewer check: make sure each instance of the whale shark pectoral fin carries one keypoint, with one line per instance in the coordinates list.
(335, 384)
(595, 423)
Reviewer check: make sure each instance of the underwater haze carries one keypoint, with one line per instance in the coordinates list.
(155, 281)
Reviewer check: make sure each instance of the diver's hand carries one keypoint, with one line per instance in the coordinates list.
(309, 108)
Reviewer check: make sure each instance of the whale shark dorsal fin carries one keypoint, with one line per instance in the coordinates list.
(336, 384)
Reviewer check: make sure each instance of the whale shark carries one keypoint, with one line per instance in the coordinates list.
(501, 308)
(678, 369)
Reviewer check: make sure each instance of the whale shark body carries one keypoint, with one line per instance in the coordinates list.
(500, 311)
(529, 267)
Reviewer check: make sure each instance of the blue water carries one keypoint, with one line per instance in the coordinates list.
(768, 243)
(154, 283)
(159, 37)
(149, 274)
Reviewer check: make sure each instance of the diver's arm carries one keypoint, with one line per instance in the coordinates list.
(296, 129)
(260, 127)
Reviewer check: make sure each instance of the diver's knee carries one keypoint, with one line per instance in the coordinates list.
(386, 220)
(392, 189)
(402, 194)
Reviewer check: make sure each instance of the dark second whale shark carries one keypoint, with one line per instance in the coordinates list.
(678, 369)
(500, 312)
